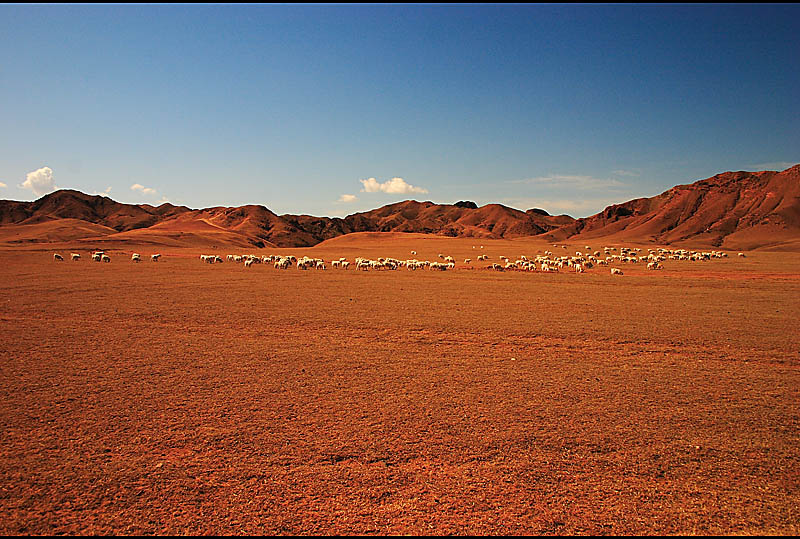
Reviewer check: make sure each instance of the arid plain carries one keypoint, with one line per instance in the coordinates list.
(180, 397)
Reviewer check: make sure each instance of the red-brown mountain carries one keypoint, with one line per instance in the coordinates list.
(69, 204)
(72, 215)
(737, 210)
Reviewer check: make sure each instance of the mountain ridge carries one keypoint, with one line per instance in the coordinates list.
(730, 209)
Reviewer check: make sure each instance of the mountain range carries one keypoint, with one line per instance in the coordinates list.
(736, 210)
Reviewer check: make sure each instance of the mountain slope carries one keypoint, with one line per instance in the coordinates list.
(732, 209)
(736, 210)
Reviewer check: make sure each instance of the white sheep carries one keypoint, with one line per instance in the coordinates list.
(615, 271)
(75, 256)
(57, 257)
(155, 257)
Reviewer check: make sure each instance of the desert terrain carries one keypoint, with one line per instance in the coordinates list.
(186, 398)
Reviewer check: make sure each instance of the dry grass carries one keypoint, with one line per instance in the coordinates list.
(180, 397)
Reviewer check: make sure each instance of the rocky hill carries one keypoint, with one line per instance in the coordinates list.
(730, 210)
(733, 209)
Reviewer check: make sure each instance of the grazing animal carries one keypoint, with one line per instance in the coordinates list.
(75, 256)
(57, 257)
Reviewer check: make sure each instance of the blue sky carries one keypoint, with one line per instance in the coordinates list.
(329, 110)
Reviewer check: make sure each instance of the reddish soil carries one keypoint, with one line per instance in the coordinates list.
(184, 398)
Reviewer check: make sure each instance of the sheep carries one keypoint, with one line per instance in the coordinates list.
(105, 258)
(97, 255)
(615, 271)
(248, 262)
(155, 257)
(136, 257)
(57, 257)
(75, 256)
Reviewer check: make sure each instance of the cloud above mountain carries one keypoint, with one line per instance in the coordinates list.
(393, 186)
(40, 181)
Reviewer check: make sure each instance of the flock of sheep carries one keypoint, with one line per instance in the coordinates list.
(547, 262)
(100, 256)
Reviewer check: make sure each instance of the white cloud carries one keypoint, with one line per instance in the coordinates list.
(143, 189)
(106, 192)
(628, 173)
(393, 186)
(573, 181)
(39, 181)
(347, 198)
(775, 165)
(582, 207)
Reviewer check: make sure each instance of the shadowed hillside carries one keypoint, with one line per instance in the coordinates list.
(256, 225)
(735, 210)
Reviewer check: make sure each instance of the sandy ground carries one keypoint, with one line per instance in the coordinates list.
(178, 397)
